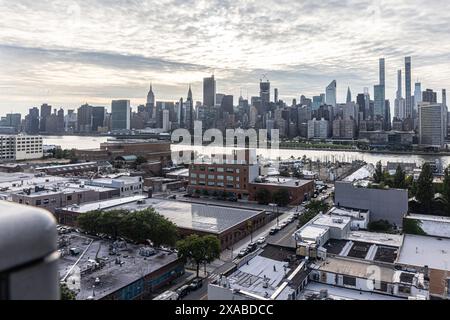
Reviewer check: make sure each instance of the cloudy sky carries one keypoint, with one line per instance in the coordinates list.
(67, 53)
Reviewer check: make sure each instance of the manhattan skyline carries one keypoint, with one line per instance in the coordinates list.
(69, 53)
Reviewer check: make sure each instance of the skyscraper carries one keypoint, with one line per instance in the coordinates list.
(378, 109)
(264, 94)
(429, 96)
(380, 92)
(227, 105)
(431, 125)
(150, 105)
(32, 121)
(190, 109)
(98, 117)
(209, 91)
(275, 95)
(330, 97)
(120, 113)
(408, 103)
(46, 111)
(417, 95)
(84, 118)
(444, 97)
(399, 94)
(349, 96)
(399, 105)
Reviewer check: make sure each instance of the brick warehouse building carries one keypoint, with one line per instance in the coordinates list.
(152, 150)
(299, 190)
(238, 178)
(227, 176)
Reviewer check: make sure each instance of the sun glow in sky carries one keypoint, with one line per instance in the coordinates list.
(67, 53)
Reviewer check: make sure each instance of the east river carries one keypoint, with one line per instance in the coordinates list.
(84, 142)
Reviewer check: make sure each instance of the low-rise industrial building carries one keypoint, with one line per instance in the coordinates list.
(126, 185)
(229, 224)
(383, 204)
(97, 269)
(299, 190)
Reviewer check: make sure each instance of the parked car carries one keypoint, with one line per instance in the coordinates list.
(252, 247)
(273, 231)
(183, 291)
(168, 295)
(261, 240)
(242, 253)
(196, 284)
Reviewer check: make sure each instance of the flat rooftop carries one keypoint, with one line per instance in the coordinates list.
(423, 251)
(197, 217)
(71, 166)
(355, 214)
(266, 276)
(102, 205)
(312, 232)
(355, 268)
(338, 293)
(112, 276)
(387, 239)
(433, 225)
(339, 222)
(283, 181)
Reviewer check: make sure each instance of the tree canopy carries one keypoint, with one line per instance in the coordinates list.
(138, 226)
(424, 190)
(446, 190)
(281, 197)
(263, 196)
(378, 175)
(199, 250)
(399, 178)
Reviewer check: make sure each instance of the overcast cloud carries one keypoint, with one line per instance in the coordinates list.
(67, 53)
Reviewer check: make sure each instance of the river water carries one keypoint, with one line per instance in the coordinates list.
(83, 142)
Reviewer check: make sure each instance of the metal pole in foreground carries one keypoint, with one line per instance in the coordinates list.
(28, 253)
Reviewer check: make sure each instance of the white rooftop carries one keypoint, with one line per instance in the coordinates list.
(101, 205)
(423, 251)
(357, 214)
(312, 232)
(363, 173)
(394, 240)
(433, 225)
(332, 221)
(339, 293)
(250, 277)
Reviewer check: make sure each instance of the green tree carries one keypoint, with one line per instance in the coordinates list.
(66, 293)
(399, 178)
(446, 189)
(140, 160)
(413, 226)
(199, 250)
(285, 173)
(138, 226)
(317, 206)
(380, 226)
(281, 197)
(424, 191)
(263, 196)
(378, 175)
